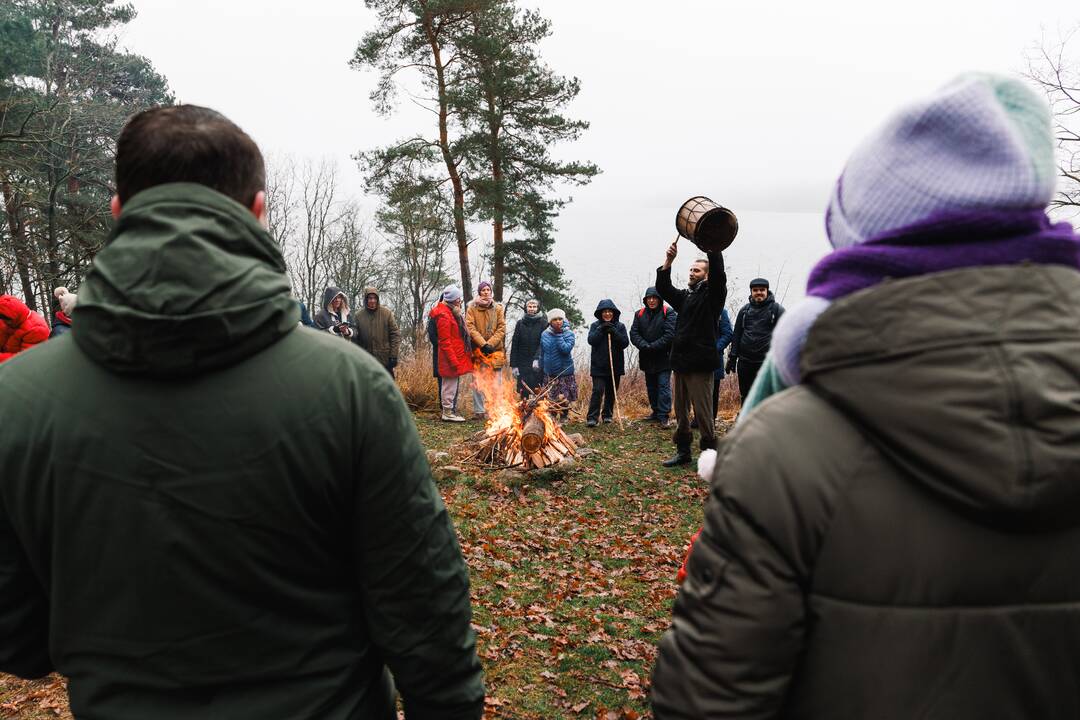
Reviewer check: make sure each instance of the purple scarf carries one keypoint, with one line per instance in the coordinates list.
(946, 243)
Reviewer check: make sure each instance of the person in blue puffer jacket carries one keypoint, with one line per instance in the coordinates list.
(555, 361)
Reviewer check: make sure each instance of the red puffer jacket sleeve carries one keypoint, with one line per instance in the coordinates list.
(20, 327)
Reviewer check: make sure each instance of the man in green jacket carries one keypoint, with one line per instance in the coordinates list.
(200, 514)
(377, 330)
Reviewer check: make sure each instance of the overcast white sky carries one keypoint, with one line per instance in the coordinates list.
(756, 104)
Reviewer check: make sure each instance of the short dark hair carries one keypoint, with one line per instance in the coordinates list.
(188, 143)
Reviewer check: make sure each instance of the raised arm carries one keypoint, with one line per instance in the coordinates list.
(717, 282)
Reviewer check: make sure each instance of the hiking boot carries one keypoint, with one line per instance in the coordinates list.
(608, 421)
(482, 417)
(452, 417)
(590, 423)
(681, 457)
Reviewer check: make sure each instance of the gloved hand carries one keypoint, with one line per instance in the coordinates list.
(392, 362)
(536, 364)
(486, 349)
(731, 364)
(607, 327)
(515, 373)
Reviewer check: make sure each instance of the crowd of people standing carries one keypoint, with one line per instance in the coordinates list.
(242, 522)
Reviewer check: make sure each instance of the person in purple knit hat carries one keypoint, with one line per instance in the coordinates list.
(893, 527)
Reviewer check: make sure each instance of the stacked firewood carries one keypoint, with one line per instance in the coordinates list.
(540, 442)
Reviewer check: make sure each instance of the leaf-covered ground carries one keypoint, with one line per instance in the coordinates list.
(572, 577)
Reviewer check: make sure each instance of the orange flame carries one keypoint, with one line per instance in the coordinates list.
(504, 408)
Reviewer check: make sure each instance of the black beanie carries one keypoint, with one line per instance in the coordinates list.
(759, 282)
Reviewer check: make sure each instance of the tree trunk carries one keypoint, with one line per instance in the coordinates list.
(18, 240)
(448, 158)
(499, 204)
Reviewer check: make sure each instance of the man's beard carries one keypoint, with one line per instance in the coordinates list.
(694, 283)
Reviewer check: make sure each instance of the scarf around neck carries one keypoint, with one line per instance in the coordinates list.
(948, 242)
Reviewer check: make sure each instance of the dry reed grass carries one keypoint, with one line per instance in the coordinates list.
(420, 390)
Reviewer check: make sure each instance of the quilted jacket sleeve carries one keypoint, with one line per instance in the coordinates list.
(738, 621)
(24, 610)
(413, 579)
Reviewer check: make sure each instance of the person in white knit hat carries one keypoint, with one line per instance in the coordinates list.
(62, 322)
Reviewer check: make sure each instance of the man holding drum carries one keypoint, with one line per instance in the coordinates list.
(693, 351)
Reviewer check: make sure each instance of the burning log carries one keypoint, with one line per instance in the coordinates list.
(521, 434)
(532, 434)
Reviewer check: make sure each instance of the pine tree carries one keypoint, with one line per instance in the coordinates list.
(510, 103)
(65, 92)
(417, 34)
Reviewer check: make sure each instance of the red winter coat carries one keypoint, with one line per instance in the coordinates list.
(20, 327)
(453, 357)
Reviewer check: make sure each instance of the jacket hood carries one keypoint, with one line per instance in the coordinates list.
(369, 290)
(650, 292)
(606, 304)
(188, 282)
(328, 297)
(967, 381)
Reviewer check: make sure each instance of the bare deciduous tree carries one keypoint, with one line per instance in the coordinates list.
(1055, 67)
(323, 238)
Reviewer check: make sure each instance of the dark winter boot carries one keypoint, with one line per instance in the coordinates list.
(681, 457)
(682, 452)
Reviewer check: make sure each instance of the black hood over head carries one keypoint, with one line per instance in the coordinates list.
(651, 292)
(606, 304)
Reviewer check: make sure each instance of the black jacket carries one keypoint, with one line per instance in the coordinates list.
(525, 344)
(754, 328)
(694, 346)
(598, 334)
(651, 333)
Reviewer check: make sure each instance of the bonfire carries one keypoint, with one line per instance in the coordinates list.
(519, 433)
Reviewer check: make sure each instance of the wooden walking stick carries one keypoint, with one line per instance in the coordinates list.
(614, 391)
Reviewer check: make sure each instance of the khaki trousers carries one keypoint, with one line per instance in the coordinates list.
(693, 390)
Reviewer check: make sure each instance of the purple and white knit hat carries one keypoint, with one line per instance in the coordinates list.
(982, 142)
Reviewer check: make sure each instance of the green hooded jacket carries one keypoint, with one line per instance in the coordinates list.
(898, 536)
(200, 515)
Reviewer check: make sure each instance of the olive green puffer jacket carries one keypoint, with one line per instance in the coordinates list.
(899, 536)
(200, 513)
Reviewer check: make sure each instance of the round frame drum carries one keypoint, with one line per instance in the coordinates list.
(709, 226)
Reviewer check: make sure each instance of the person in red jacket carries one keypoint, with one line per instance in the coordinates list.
(20, 327)
(452, 353)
